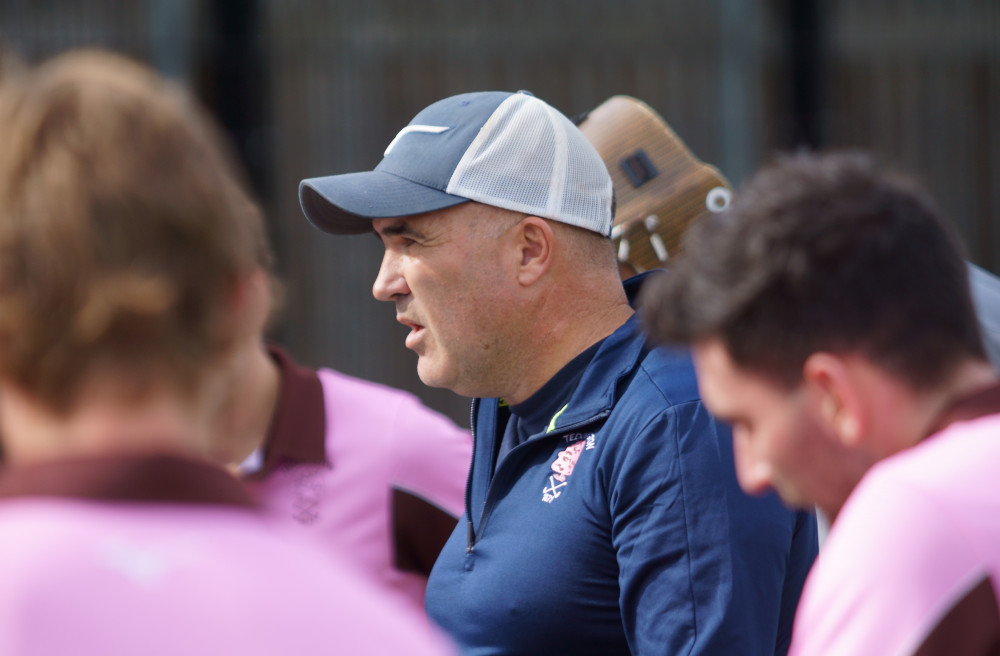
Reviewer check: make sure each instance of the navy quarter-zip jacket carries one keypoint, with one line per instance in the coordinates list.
(621, 528)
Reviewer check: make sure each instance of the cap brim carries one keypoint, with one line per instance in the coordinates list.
(346, 204)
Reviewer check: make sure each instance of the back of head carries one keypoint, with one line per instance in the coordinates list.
(123, 230)
(824, 253)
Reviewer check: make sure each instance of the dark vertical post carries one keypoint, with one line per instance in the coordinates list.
(233, 84)
(806, 74)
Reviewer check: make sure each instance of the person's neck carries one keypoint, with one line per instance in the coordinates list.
(834, 492)
(243, 424)
(923, 409)
(569, 335)
(907, 424)
(103, 421)
(968, 378)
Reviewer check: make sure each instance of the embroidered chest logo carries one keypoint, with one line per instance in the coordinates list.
(563, 467)
(308, 485)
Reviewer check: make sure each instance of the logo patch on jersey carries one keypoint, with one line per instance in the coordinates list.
(308, 485)
(562, 468)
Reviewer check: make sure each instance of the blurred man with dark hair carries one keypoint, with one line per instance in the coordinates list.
(661, 189)
(832, 326)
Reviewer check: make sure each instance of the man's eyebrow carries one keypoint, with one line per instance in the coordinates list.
(400, 228)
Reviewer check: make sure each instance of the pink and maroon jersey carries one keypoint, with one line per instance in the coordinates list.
(164, 556)
(912, 563)
(366, 469)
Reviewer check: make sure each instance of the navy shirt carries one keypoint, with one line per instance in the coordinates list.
(533, 415)
(618, 528)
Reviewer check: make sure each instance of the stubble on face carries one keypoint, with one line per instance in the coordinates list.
(455, 277)
(772, 427)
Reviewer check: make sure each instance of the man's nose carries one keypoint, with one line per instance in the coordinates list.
(389, 283)
(753, 473)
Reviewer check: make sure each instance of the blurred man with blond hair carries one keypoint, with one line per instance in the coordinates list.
(128, 279)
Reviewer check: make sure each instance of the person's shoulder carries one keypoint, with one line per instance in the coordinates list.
(929, 501)
(82, 538)
(379, 404)
(918, 527)
(124, 572)
(351, 389)
(37, 521)
(667, 372)
(957, 462)
(661, 391)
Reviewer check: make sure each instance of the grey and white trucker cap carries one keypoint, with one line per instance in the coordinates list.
(509, 150)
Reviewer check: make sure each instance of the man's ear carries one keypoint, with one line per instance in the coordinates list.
(840, 401)
(535, 239)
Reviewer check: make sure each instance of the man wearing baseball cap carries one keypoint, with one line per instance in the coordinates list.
(596, 514)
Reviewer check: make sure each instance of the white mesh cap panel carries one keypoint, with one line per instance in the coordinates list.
(530, 158)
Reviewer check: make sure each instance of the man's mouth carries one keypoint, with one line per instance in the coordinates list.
(415, 331)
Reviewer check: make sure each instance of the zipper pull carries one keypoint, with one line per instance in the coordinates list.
(471, 538)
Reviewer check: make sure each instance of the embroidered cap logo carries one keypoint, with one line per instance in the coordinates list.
(563, 466)
(409, 129)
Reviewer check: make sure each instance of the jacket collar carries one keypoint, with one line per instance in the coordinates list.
(972, 406)
(599, 387)
(149, 478)
(617, 358)
(298, 428)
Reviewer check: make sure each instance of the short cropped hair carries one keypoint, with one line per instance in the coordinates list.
(823, 253)
(124, 228)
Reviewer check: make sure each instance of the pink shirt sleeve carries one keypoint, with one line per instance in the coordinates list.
(431, 456)
(910, 545)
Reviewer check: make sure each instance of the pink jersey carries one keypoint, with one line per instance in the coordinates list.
(366, 469)
(180, 570)
(912, 563)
